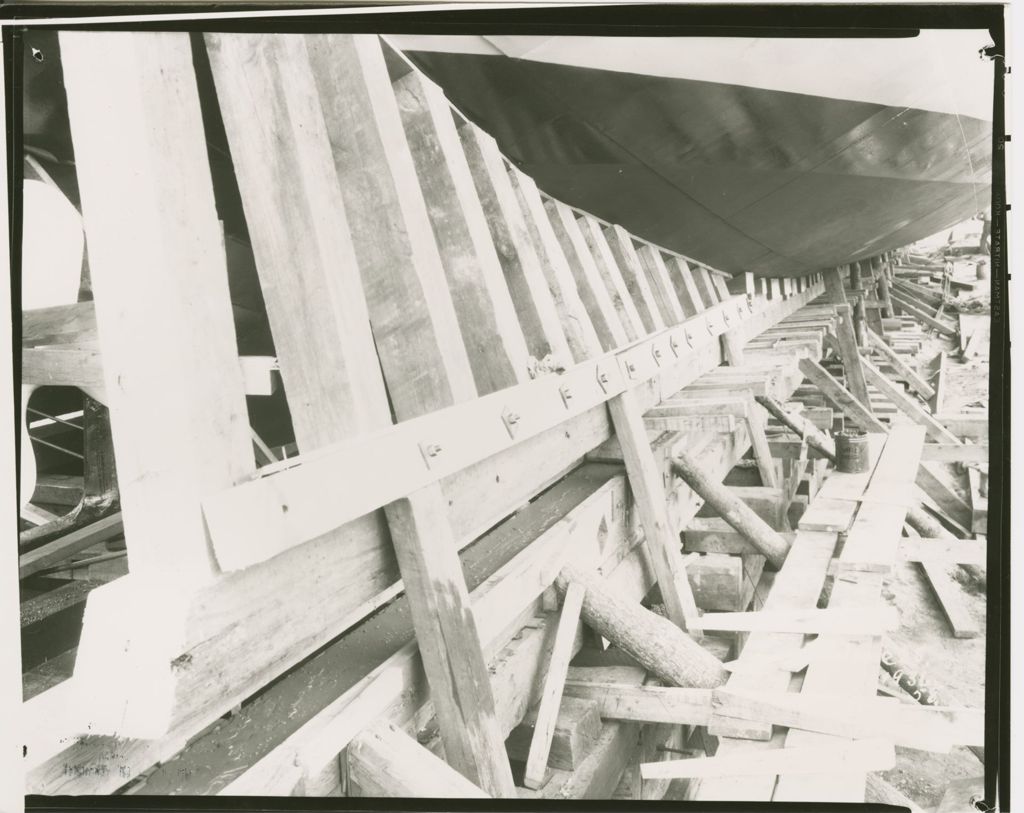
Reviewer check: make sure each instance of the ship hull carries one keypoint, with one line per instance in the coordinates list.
(741, 178)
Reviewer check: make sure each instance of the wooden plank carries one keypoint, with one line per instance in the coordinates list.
(551, 694)
(717, 581)
(61, 549)
(577, 729)
(304, 253)
(642, 704)
(415, 329)
(907, 405)
(448, 640)
(719, 284)
(609, 270)
(686, 286)
(845, 334)
(942, 551)
(64, 365)
(909, 306)
(979, 500)
(645, 295)
(759, 442)
(74, 324)
(385, 761)
(151, 367)
(646, 481)
(662, 284)
(708, 294)
(843, 399)
(955, 453)
(849, 756)
(510, 233)
(901, 367)
(487, 318)
(808, 622)
(576, 324)
(934, 484)
(591, 287)
(480, 496)
(974, 427)
(950, 597)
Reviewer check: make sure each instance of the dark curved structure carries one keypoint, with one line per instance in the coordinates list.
(741, 178)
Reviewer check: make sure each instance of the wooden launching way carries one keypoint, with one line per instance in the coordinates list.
(563, 505)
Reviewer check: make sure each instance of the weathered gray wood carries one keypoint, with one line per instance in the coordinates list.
(846, 335)
(731, 508)
(839, 395)
(448, 640)
(652, 640)
(385, 761)
(487, 318)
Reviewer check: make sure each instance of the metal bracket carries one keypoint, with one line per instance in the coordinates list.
(511, 421)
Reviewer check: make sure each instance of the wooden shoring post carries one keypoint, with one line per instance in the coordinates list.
(839, 395)
(554, 682)
(592, 289)
(652, 506)
(759, 442)
(647, 296)
(487, 317)
(415, 326)
(686, 286)
(855, 277)
(731, 508)
(804, 428)
(883, 291)
(148, 187)
(383, 760)
(898, 364)
(524, 274)
(576, 322)
(910, 307)
(449, 642)
(611, 275)
(732, 347)
(663, 284)
(846, 335)
(652, 640)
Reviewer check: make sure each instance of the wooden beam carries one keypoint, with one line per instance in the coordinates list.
(551, 694)
(950, 597)
(648, 297)
(193, 380)
(900, 366)
(576, 322)
(686, 286)
(487, 318)
(934, 485)
(415, 328)
(652, 506)
(672, 309)
(908, 305)
(59, 550)
(845, 334)
(577, 729)
(843, 399)
(642, 704)
(942, 551)
(808, 622)
(907, 405)
(448, 640)
(385, 761)
(610, 273)
(849, 756)
(591, 287)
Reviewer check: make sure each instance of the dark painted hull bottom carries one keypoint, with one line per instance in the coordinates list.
(743, 179)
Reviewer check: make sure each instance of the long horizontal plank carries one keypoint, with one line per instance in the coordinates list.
(808, 622)
(852, 756)
(298, 499)
(61, 549)
(479, 496)
(955, 453)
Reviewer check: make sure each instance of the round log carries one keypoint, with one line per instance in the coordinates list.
(652, 640)
(816, 439)
(731, 508)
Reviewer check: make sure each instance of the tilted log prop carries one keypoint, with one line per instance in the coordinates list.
(652, 640)
(731, 508)
(917, 518)
(816, 439)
